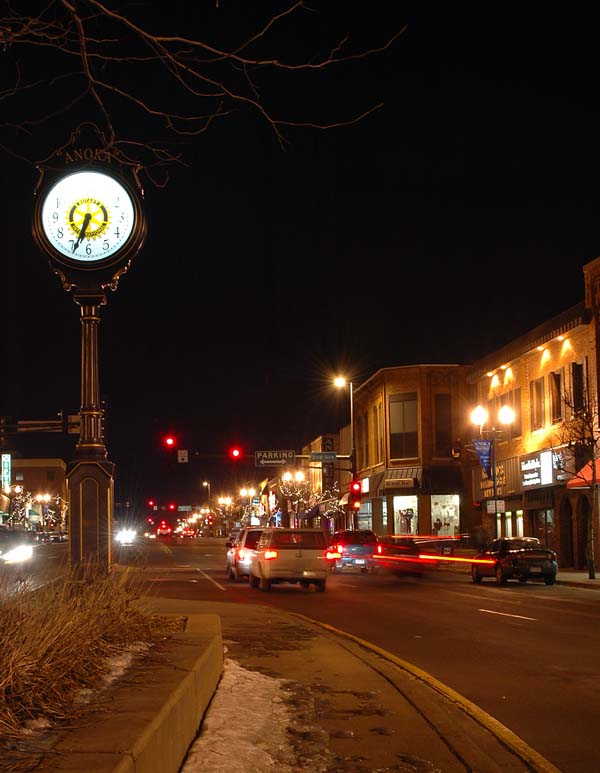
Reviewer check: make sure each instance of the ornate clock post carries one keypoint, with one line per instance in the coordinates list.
(89, 220)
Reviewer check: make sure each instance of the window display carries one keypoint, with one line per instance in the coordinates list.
(405, 515)
(445, 520)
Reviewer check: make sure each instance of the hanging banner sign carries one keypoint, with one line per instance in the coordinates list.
(483, 449)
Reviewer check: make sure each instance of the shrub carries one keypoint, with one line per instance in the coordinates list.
(55, 641)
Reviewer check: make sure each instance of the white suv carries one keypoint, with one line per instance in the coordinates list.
(290, 555)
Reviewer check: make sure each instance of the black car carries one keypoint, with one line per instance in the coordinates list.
(355, 546)
(516, 558)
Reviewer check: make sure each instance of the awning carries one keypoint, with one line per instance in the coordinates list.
(583, 479)
(401, 478)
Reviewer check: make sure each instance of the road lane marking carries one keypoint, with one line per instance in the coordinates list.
(214, 582)
(505, 614)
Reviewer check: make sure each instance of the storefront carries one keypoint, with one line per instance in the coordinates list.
(407, 501)
(543, 477)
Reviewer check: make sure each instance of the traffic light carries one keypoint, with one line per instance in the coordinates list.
(235, 453)
(172, 507)
(151, 503)
(355, 495)
(170, 441)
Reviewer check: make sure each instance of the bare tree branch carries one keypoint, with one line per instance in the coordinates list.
(68, 61)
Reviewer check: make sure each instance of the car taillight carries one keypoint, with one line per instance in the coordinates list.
(379, 549)
(339, 548)
(332, 554)
(269, 554)
(241, 553)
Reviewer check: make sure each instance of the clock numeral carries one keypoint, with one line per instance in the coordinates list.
(59, 233)
(105, 245)
(117, 234)
(122, 218)
(57, 203)
(72, 244)
(88, 249)
(55, 216)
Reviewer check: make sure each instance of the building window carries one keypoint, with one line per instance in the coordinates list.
(404, 439)
(577, 394)
(366, 441)
(536, 397)
(376, 435)
(556, 401)
(443, 426)
(516, 428)
(380, 410)
(359, 450)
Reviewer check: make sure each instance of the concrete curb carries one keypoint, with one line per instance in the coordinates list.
(147, 722)
(530, 757)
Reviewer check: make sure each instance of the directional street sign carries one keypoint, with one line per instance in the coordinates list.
(323, 456)
(274, 458)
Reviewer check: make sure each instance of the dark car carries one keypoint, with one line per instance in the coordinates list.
(355, 546)
(406, 555)
(241, 552)
(516, 558)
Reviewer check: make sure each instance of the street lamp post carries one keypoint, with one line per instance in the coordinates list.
(207, 484)
(479, 417)
(340, 381)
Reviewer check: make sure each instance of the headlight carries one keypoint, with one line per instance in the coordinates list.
(126, 536)
(17, 555)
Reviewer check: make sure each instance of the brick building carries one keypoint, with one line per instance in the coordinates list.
(406, 422)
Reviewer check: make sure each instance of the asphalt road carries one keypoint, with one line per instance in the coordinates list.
(525, 653)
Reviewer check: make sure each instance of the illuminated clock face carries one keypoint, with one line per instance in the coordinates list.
(88, 216)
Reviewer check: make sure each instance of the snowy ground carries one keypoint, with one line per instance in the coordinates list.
(249, 728)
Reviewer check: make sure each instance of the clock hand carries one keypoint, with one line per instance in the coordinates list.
(86, 220)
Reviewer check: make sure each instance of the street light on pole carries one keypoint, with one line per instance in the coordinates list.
(207, 484)
(339, 382)
(479, 417)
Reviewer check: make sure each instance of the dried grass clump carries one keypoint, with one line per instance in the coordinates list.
(55, 642)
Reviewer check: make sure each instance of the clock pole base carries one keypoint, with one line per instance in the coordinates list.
(91, 506)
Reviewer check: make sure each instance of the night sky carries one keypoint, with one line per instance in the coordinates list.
(441, 226)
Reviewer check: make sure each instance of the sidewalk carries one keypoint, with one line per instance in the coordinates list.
(334, 703)
(348, 706)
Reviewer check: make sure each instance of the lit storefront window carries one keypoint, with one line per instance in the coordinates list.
(406, 513)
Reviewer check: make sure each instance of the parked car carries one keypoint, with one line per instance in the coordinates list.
(292, 556)
(355, 546)
(516, 558)
(402, 555)
(241, 552)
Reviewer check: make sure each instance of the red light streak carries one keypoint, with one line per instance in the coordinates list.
(455, 559)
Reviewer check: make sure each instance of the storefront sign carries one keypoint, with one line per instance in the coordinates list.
(543, 468)
(401, 483)
(6, 470)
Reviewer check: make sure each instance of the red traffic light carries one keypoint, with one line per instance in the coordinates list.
(355, 494)
(169, 441)
(150, 503)
(172, 506)
(235, 452)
